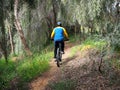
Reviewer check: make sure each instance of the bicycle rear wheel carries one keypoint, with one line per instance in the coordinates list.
(58, 57)
(58, 63)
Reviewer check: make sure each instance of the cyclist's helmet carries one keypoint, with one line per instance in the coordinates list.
(59, 23)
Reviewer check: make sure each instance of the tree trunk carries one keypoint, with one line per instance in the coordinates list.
(19, 29)
(75, 32)
(54, 12)
(11, 40)
(3, 42)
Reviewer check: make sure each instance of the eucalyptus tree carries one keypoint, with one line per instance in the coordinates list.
(19, 28)
(112, 23)
(3, 41)
(38, 22)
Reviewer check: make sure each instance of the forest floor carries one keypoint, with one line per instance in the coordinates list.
(77, 72)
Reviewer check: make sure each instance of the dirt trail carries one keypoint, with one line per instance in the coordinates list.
(41, 82)
(79, 68)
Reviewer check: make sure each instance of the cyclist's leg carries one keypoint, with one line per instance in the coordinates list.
(61, 52)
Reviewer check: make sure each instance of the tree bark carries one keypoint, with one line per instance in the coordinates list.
(75, 31)
(19, 28)
(11, 40)
(3, 42)
(54, 12)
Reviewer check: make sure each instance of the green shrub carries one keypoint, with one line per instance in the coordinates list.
(30, 68)
(7, 73)
(25, 70)
(95, 42)
(91, 42)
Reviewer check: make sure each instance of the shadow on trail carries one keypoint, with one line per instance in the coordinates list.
(66, 60)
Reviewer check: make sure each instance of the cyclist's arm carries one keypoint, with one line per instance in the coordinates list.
(65, 33)
(52, 34)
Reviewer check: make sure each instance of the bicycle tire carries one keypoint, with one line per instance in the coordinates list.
(58, 57)
(58, 63)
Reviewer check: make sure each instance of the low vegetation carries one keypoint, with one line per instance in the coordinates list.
(23, 70)
(91, 42)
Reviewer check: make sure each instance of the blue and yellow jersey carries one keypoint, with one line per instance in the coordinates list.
(59, 33)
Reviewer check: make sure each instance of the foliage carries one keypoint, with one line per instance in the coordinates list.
(25, 70)
(37, 19)
(114, 37)
(99, 15)
(7, 73)
(30, 68)
(91, 42)
(83, 10)
(96, 42)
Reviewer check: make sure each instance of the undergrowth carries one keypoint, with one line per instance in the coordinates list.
(25, 70)
(91, 42)
(7, 73)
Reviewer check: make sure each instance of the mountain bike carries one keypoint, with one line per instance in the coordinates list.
(59, 55)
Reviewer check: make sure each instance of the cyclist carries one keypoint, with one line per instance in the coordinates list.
(58, 35)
